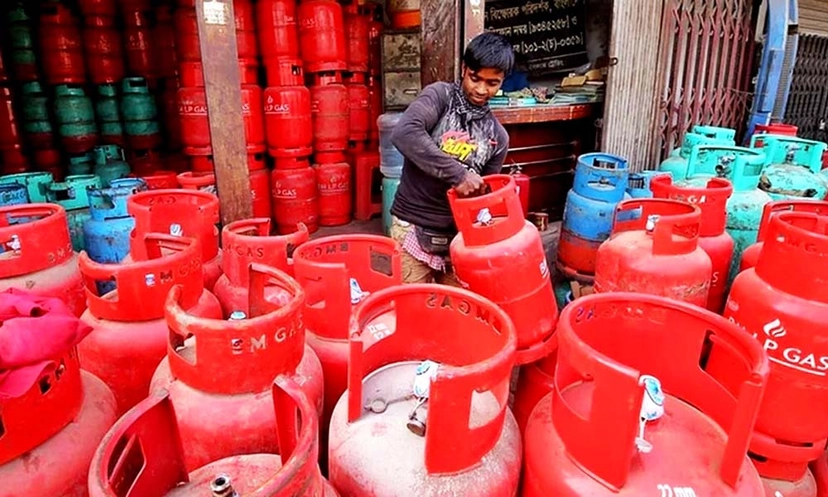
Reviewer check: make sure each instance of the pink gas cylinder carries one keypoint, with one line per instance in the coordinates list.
(37, 253)
(155, 441)
(337, 272)
(425, 413)
(179, 213)
(499, 255)
(654, 249)
(53, 414)
(250, 241)
(219, 389)
(751, 254)
(609, 429)
(783, 303)
(713, 239)
(128, 322)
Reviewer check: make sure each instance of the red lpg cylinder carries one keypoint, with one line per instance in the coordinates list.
(195, 124)
(191, 74)
(285, 71)
(180, 213)
(246, 44)
(128, 322)
(186, 27)
(819, 468)
(522, 184)
(535, 381)
(140, 46)
(783, 304)
(608, 428)
(329, 108)
(295, 199)
(259, 188)
(13, 161)
(60, 40)
(359, 112)
(53, 414)
(50, 160)
(278, 32)
(168, 110)
(326, 268)
(322, 36)
(376, 26)
(204, 163)
(375, 105)
(247, 242)
(713, 239)
(156, 442)
(163, 34)
(201, 181)
(10, 137)
(357, 26)
(288, 121)
(90, 8)
(773, 129)
(160, 180)
(219, 390)
(103, 50)
(38, 254)
(751, 254)
(333, 179)
(451, 432)
(654, 249)
(502, 258)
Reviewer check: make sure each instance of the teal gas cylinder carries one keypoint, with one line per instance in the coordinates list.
(37, 122)
(80, 164)
(140, 114)
(108, 111)
(36, 184)
(75, 117)
(21, 37)
(73, 195)
(389, 191)
(793, 167)
(110, 163)
(676, 164)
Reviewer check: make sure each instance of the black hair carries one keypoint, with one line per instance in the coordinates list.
(489, 50)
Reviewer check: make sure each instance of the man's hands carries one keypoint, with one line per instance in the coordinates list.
(471, 183)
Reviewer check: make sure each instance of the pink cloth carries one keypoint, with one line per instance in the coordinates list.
(34, 332)
(412, 246)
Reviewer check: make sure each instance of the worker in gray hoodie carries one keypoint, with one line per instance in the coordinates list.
(449, 139)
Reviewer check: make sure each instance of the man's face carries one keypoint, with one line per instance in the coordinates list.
(480, 86)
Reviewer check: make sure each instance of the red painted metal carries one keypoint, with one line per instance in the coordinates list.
(57, 422)
(372, 453)
(285, 71)
(819, 468)
(141, 53)
(324, 268)
(329, 108)
(322, 36)
(218, 390)
(39, 258)
(582, 438)
(13, 160)
(192, 73)
(375, 106)
(333, 179)
(278, 32)
(144, 161)
(781, 302)
(129, 326)
(359, 111)
(484, 259)
(295, 199)
(160, 180)
(186, 27)
(706, 65)
(10, 136)
(713, 239)
(259, 187)
(357, 28)
(186, 30)
(204, 163)
(51, 160)
(288, 122)
(654, 249)
(367, 199)
(195, 123)
(751, 254)
(291, 163)
(535, 381)
(103, 50)
(61, 48)
(90, 8)
(773, 129)
(522, 184)
(247, 242)
(187, 213)
(152, 429)
(245, 18)
(163, 34)
(168, 108)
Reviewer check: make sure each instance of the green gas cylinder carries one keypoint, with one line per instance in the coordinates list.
(793, 168)
(140, 114)
(110, 164)
(108, 111)
(80, 164)
(21, 37)
(37, 122)
(75, 118)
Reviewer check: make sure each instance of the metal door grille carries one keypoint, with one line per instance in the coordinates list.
(706, 61)
(808, 100)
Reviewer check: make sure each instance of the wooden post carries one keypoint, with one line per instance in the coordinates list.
(441, 40)
(473, 21)
(632, 100)
(222, 82)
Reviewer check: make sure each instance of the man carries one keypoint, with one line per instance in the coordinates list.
(449, 139)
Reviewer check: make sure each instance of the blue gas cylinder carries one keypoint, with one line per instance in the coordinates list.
(110, 163)
(73, 195)
(389, 191)
(13, 194)
(638, 186)
(106, 232)
(35, 184)
(600, 183)
(793, 167)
